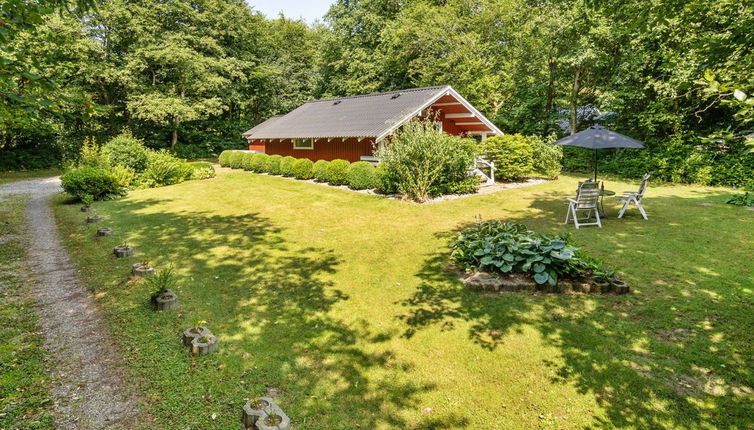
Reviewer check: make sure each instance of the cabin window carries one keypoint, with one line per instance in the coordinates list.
(303, 143)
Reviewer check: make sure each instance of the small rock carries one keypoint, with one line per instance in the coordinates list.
(484, 281)
(427, 411)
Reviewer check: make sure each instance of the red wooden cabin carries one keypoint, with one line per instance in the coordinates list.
(352, 128)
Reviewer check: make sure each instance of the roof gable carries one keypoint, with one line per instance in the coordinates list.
(370, 115)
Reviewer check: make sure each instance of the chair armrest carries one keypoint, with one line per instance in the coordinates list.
(572, 201)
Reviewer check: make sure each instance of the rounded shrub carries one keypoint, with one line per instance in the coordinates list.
(246, 160)
(273, 164)
(259, 163)
(302, 168)
(319, 170)
(337, 172)
(224, 158)
(126, 150)
(235, 159)
(422, 162)
(93, 181)
(384, 181)
(361, 175)
(548, 158)
(286, 166)
(513, 155)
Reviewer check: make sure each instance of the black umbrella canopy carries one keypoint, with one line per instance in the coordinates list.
(598, 137)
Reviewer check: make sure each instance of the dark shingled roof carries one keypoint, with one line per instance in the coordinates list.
(370, 115)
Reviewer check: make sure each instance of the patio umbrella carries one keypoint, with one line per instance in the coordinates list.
(598, 137)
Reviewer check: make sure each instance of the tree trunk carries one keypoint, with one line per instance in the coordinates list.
(575, 100)
(550, 86)
(174, 138)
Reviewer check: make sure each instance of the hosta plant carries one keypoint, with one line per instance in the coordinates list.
(497, 246)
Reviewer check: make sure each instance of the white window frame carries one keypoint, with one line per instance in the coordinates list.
(297, 142)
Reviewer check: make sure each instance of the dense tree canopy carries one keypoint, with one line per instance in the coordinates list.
(192, 74)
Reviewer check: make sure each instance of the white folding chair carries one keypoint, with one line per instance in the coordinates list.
(634, 197)
(587, 200)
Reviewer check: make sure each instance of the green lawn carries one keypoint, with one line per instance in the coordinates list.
(342, 301)
(24, 399)
(20, 175)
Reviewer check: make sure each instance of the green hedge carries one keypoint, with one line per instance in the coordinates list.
(93, 181)
(384, 182)
(681, 160)
(319, 170)
(259, 163)
(513, 155)
(337, 172)
(273, 164)
(224, 158)
(302, 168)
(235, 160)
(286, 166)
(361, 175)
(246, 161)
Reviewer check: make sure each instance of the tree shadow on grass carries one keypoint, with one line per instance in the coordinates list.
(673, 354)
(271, 305)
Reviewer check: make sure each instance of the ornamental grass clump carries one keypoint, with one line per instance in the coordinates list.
(165, 169)
(496, 246)
(319, 170)
(361, 175)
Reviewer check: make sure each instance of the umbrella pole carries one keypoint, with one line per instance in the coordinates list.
(595, 165)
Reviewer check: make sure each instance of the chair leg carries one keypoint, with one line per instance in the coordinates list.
(599, 218)
(568, 213)
(623, 208)
(575, 217)
(641, 209)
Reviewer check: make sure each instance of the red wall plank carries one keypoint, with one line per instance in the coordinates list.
(350, 149)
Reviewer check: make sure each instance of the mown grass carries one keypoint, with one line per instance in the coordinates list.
(20, 175)
(24, 396)
(343, 302)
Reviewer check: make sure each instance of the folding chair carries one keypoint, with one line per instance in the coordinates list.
(634, 197)
(587, 200)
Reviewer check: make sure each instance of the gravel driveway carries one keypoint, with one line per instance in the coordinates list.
(89, 391)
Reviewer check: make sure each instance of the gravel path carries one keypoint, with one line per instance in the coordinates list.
(88, 391)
